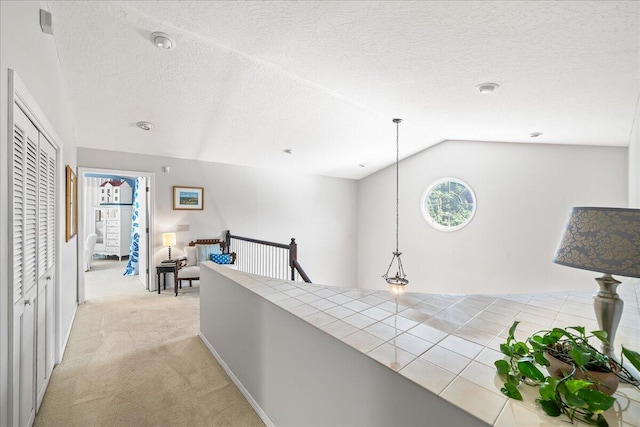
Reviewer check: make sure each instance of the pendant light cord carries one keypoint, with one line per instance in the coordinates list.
(399, 280)
(397, 182)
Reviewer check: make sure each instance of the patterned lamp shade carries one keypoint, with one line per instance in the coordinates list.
(606, 240)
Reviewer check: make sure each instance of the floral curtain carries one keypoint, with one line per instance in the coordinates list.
(132, 265)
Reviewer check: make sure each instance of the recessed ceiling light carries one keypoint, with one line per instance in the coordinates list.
(535, 134)
(163, 41)
(145, 125)
(288, 150)
(487, 87)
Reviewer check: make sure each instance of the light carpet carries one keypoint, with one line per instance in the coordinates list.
(136, 360)
(106, 279)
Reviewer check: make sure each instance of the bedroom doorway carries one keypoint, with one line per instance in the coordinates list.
(115, 232)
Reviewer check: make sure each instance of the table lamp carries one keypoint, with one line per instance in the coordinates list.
(606, 240)
(168, 240)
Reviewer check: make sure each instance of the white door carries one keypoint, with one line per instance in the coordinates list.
(33, 198)
(24, 240)
(45, 330)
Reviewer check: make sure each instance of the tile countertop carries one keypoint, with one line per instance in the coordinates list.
(448, 343)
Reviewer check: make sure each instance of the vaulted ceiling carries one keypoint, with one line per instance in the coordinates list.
(250, 79)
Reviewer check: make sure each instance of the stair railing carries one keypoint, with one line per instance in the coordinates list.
(279, 260)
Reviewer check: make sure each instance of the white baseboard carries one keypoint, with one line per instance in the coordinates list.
(43, 391)
(263, 415)
(63, 347)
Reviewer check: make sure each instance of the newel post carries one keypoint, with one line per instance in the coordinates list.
(293, 256)
(227, 238)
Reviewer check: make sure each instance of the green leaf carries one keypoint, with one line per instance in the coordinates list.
(511, 391)
(580, 329)
(575, 385)
(513, 380)
(537, 345)
(550, 407)
(596, 401)
(540, 359)
(579, 356)
(601, 421)
(547, 391)
(574, 400)
(512, 329)
(553, 382)
(520, 348)
(561, 386)
(502, 366)
(601, 335)
(537, 338)
(632, 356)
(506, 349)
(587, 417)
(529, 370)
(551, 338)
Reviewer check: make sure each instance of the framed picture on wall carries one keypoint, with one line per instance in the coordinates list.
(188, 198)
(72, 204)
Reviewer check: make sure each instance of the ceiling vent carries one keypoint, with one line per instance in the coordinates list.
(46, 22)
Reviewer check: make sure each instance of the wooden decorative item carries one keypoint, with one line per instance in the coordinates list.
(72, 204)
(188, 198)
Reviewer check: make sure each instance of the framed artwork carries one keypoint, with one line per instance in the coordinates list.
(72, 204)
(188, 198)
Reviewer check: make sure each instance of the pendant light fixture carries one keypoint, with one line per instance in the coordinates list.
(397, 282)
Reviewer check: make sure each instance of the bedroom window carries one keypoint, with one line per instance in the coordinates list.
(448, 204)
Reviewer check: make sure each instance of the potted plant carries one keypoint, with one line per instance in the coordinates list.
(574, 386)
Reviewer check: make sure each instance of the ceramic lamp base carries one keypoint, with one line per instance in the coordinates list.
(608, 306)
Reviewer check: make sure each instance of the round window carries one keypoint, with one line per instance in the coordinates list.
(448, 204)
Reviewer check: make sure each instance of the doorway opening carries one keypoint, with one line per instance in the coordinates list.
(115, 220)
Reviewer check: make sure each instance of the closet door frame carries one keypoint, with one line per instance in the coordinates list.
(19, 95)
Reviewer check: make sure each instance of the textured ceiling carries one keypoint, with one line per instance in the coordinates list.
(250, 79)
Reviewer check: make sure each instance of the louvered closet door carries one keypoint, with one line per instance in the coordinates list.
(24, 211)
(46, 272)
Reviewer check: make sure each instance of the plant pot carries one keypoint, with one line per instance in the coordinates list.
(606, 382)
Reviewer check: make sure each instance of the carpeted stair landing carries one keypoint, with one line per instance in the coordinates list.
(136, 360)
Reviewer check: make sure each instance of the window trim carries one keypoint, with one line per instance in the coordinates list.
(430, 220)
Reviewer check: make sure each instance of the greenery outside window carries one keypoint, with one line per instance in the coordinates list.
(448, 204)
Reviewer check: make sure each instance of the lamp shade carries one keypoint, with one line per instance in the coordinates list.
(606, 240)
(168, 239)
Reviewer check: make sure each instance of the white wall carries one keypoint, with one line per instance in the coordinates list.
(32, 54)
(524, 195)
(295, 374)
(634, 162)
(320, 212)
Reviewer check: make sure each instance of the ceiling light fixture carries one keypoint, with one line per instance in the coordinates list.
(398, 282)
(535, 134)
(163, 41)
(145, 125)
(487, 87)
